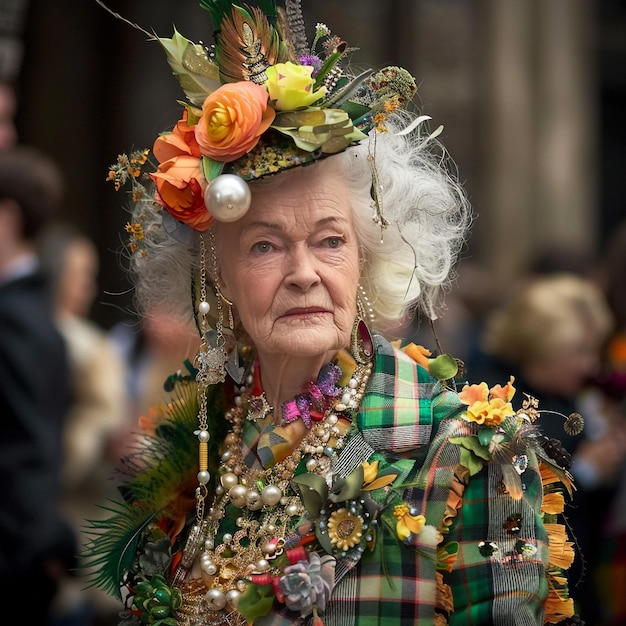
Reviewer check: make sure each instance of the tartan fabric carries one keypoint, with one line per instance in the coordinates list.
(408, 418)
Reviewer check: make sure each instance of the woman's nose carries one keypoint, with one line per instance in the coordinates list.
(302, 271)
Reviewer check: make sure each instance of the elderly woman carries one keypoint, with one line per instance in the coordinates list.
(307, 469)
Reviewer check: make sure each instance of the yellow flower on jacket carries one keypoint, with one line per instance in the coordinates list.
(290, 86)
(407, 523)
(488, 406)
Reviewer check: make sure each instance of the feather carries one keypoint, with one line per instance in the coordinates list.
(347, 91)
(221, 9)
(295, 30)
(113, 545)
(246, 45)
(160, 478)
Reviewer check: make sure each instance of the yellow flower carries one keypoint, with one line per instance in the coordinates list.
(344, 529)
(488, 406)
(407, 523)
(136, 230)
(370, 477)
(291, 86)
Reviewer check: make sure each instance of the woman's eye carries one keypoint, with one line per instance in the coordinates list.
(333, 242)
(262, 247)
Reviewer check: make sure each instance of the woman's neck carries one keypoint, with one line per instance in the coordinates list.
(284, 377)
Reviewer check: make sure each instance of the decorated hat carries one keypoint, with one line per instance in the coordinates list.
(260, 100)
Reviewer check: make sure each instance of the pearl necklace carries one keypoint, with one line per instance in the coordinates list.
(268, 510)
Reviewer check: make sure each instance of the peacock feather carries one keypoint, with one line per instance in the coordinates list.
(159, 480)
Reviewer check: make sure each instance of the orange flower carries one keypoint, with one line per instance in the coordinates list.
(505, 393)
(418, 353)
(179, 183)
(179, 180)
(233, 118)
(182, 140)
(488, 406)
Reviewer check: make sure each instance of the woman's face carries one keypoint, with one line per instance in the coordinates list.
(291, 264)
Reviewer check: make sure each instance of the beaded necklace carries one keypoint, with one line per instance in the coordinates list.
(256, 517)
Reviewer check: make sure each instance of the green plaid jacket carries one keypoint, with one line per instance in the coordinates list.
(406, 420)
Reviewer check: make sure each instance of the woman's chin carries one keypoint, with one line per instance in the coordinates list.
(305, 343)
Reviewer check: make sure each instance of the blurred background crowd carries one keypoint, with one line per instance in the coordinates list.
(531, 94)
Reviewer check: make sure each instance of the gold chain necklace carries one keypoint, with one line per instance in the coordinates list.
(268, 511)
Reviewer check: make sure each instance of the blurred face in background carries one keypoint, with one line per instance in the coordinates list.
(78, 283)
(570, 362)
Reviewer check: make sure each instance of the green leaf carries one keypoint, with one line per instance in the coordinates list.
(473, 453)
(443, 367)
(313, 491)
(471, 461)
(324, 540)
(347, 488)
(211, 168)
(296, 119)
(256, 601)
(197, 74)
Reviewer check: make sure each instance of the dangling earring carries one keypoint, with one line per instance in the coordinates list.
(232, 366)
(362, 344)
(212, 354)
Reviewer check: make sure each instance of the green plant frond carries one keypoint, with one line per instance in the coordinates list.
(113, 543)
(164, 464)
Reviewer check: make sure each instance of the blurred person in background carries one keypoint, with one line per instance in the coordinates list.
(8, 109)
(37, 544)
(96, 418)
(610, 572)
(151, 349)
(549, 333)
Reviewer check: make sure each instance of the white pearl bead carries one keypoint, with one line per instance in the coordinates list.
(253, 500)
(229, 480)
(262, 565)
(271, 495)
(204, 435)
(237, 495)
(204, 307)
(209, 568)
(292, 510)
(232, 597)
(227, 197)
(216, 600)
(204, 477)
